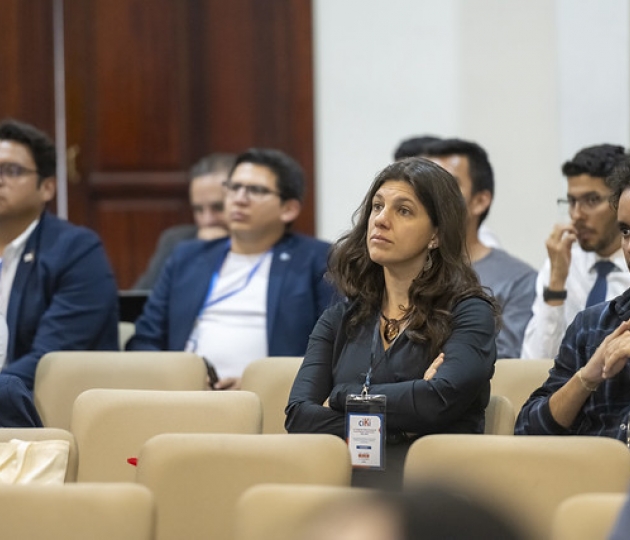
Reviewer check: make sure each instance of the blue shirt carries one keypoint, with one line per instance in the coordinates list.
(604, 412)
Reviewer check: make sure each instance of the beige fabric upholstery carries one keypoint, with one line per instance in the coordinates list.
(46, 434)
(281, 511)
(77, 512)
(111, 425)
(591, 516)
(198, 479)
(526, 476)
(500, 416)
(272, 378)
(62, 376)
(126, 330)
(517, 378)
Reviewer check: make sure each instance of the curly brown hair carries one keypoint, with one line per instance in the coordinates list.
(433, 293)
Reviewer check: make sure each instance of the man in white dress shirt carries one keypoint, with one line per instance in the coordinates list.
(564, 285)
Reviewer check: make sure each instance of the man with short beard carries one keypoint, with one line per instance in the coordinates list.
(585, 264)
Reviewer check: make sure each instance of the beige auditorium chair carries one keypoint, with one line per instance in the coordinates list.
(527, 477)
(77, 512)
(111, 425)
(499, 416)
(282, 511)
(590, 516)
(517, 378)
(46, 434)
(198, 479)
(272, 378)
(61, 376)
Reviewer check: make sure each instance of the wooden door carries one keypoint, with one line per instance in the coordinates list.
(150, 88)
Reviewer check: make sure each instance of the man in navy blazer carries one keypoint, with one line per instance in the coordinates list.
(57, 290)
(258, 292)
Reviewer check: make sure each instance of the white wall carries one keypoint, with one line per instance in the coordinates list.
(532, 82)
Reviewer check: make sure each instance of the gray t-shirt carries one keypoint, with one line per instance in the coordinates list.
(513, 283)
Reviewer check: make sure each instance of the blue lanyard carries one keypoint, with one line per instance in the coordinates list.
(215, 276)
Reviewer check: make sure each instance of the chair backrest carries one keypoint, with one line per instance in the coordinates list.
(272, 378)
(500, 416)
(517, 378)
(61, 376)
(528, 477)
(77, 512)
(590, 516)
(46, 434)
(111, 425)
(198, 479)
(281, 511)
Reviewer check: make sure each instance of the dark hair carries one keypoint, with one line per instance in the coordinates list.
(619, 180)
(481, 174)
(597, 161)
(212, 163)
(39, 144)
(289, 174)
(434, 292)
(414, 147)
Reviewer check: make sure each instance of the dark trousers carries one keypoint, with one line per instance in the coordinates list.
(17, 408)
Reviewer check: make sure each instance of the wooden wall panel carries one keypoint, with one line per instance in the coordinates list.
(152, 86)
(26, 62)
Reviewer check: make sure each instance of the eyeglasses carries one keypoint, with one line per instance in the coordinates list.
(252, 191)
(588, 203)
(12, 171)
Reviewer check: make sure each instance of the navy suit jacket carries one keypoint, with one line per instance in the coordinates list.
(296, 296)
(63, 297)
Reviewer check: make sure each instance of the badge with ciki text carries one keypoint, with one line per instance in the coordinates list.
(365, 430)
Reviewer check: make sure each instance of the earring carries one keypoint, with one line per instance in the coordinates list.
(428, 263)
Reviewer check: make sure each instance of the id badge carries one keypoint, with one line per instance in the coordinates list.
(365, 430)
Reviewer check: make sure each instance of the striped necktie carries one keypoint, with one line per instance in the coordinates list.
(598, 292)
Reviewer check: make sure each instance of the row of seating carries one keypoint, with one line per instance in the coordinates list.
(198, 481)
(62, 376)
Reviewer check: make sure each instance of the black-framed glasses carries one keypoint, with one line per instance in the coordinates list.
(13, 171)
(253, 191)
(587, 203)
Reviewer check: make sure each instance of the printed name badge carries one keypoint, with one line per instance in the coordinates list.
(365, 430)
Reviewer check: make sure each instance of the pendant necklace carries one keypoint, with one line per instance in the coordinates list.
(392, 327)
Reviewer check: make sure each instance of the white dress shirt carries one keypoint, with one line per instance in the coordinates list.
(548, 324)
(9, 263)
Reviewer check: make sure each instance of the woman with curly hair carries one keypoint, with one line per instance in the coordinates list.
(416, 325)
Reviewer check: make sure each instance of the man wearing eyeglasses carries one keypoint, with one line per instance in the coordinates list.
(57, 290)
(257, 293)
(585, 264)
(588, 388)
(206, 194)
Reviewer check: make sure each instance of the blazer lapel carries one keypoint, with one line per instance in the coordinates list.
(26, 266)
(282, 255)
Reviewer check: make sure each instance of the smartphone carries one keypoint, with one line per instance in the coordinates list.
(212, 373)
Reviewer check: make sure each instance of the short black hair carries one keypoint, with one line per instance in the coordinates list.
(213, 163)
(414, 147)
(289, 175)
(39, 144)
(619, 180)
(597, 161)
(481, 174)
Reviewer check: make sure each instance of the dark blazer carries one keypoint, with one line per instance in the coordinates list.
(170, 238)
(64, 297)
(297, 294)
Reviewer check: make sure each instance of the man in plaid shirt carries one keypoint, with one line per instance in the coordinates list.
(588, 389)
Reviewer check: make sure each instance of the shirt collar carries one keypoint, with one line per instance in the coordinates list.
(17, 244)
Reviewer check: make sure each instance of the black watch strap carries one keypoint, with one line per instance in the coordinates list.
(548, 294)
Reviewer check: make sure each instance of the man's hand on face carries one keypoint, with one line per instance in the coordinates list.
(559, 250)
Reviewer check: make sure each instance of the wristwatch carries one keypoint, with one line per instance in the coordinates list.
(548, 294)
